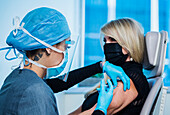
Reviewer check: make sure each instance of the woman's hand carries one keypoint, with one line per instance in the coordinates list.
(115, 72)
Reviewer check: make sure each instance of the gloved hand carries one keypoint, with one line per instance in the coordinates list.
(115, 72)
(105, 96)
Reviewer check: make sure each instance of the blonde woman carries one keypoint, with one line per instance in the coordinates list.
(124, 47)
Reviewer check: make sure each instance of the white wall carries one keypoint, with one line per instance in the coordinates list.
(11, 8)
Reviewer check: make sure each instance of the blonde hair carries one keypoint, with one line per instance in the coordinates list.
(129, 34)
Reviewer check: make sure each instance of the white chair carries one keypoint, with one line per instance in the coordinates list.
(153, 64)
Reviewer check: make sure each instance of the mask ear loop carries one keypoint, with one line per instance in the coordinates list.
(24, 58)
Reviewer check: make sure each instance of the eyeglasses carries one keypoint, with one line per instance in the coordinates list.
(69, 43)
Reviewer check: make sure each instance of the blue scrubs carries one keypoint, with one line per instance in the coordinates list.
(24, 93)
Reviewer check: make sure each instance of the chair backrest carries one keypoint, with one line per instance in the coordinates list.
(153, 64)
(155, 51)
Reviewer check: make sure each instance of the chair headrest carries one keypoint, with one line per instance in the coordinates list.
(154, 55)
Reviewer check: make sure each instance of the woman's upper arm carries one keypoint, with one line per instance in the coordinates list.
(122, 98)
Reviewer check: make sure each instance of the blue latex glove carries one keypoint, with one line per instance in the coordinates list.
(105, 96)
(115, 72)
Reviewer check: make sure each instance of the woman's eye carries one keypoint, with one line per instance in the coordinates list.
(112, 39)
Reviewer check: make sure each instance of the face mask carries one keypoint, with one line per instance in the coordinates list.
(55, 71)
(113, 54)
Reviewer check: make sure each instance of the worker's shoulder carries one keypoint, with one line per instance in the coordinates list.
(37, 89)
(24, 80)
(24, 77)
(31, 83)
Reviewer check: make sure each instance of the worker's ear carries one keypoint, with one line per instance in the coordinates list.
(48, 51)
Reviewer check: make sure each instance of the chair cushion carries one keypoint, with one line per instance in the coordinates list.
(152, 45)
(154, 55)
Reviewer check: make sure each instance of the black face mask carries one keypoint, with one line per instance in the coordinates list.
(113, 53)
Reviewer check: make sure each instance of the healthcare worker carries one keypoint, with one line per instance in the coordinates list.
(43, 38)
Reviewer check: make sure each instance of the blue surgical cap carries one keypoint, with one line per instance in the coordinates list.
(46, 24)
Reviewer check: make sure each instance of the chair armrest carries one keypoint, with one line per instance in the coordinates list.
(156, 85)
